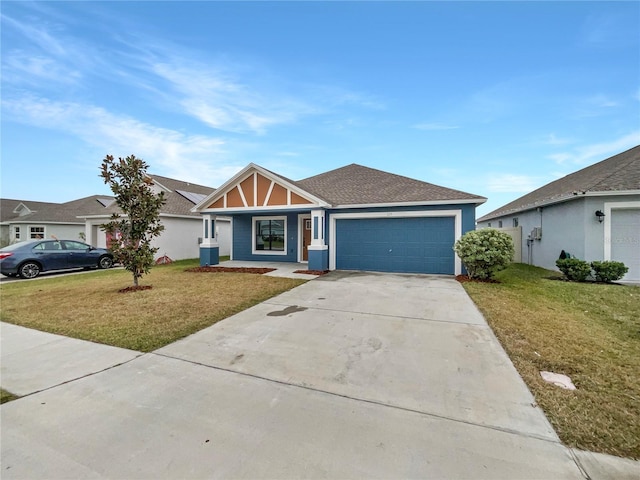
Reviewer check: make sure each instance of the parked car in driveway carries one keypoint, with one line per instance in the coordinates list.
(28, 259)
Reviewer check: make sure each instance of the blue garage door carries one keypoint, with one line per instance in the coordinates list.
(408, 245)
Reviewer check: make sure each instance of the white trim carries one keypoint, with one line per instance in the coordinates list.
(608, 207)
(265, 209)
(231, 244)
(162, 215)
(253, 236)
(155, 182)
(242, 174)
(556, 201)
(457, 214)
(301, 218)
(26, 222)
(255, 189)
(612, 193)
(412, 204)
(244, 199)
(268, 195)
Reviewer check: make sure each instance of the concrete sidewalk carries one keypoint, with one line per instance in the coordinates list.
(350, 375)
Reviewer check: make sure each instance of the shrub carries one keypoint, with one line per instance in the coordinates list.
(574, 269)
(609, 271)
(484, 252)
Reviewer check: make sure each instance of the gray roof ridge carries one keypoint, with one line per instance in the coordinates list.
(618, 162)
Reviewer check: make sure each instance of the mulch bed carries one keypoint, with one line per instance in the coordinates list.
(465, 278)
(135, 289)
(312, 272)
(259, 271)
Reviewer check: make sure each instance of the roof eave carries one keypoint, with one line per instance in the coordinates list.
(475, 201)
(555, 201)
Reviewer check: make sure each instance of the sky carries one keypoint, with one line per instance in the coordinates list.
(491, 98)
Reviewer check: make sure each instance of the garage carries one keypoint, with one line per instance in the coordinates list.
(418, 244)
(625, 240)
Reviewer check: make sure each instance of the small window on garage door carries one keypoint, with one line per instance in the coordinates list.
(36, 232)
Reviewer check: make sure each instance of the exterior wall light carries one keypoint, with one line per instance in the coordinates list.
(600, 215)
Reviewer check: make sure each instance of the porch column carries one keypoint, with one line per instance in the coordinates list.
(209, 248)
(318, 250)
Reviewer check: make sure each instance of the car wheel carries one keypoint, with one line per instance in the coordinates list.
(29, 270)
(105, 262)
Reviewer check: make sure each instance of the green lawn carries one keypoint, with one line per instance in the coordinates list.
(588, 331)
(89, 306)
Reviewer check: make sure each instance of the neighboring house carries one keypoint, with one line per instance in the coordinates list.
(183, 229)
(351, 218)
(592, 214)
(26, 220)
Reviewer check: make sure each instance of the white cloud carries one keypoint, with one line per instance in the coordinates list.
(434, 126)
(586, 154)
(553, 139)
(220, 100)
(195, 158)
(509, 183)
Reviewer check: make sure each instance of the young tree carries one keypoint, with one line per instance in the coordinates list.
(139, 223)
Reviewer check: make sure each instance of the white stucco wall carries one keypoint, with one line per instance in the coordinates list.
(179, 240)
(60, 231)
(223, 234)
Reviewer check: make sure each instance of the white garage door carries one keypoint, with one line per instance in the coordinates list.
(625, 240)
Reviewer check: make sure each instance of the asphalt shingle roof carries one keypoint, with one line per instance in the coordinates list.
(358, 185)
(46, 212)
(175, 203)
(618, 173)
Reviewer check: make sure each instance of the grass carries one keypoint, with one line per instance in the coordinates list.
(588, 331)
(6, 396)
(89, 307)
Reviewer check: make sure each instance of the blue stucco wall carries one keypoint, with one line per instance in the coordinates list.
(209, 256)
(242, 238)
(468, 213)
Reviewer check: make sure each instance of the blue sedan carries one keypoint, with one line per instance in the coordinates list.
(28, 259)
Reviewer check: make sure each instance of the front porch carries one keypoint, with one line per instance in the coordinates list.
(282, 269)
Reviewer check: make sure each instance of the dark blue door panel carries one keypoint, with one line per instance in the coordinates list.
(407, 245)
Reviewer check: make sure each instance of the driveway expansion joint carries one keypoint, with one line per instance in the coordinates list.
(90, 374)
(364, 400)
(420, 319)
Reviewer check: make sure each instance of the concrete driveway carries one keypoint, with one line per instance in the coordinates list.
(347, 376)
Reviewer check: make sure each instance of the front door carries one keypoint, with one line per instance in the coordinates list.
(306, 238)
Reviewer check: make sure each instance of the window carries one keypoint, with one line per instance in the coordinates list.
(16, 232)
(499, 223)
(36, 232)
(72, 245)
(48, 245)
(489, 224)
(269, 235)
(515, 221)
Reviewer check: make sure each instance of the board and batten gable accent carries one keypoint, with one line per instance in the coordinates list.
(256, 190)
